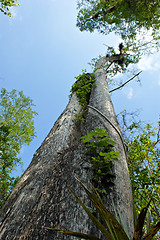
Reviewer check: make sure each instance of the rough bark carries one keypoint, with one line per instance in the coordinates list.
(41, 198)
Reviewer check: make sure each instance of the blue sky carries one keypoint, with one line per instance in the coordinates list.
(41, 53)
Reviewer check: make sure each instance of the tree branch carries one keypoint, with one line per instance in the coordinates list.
(125, 83)
(158, 136)
(96, 15)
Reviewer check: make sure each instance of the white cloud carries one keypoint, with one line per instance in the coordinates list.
(128, 92)
(151, 63)
(145, 34)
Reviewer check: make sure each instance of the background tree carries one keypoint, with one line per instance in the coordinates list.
(16, 128)
(142, 141)
(5, 6)
(144, 170)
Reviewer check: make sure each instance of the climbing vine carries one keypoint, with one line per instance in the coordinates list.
(82, 87)
(100, 149)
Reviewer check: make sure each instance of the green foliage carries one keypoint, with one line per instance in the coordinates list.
(144, 169)
(16, 128)
(143, 154)
(120, 16)
(5, 6)
(99, 148)
(111, 228)
(130, 19)
(82, 87)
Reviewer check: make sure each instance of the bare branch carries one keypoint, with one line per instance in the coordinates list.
(158, 136)
(125, 83)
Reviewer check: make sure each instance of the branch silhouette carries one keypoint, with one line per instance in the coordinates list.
(125, 83)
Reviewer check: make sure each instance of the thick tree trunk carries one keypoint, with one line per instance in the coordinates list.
(41, 198)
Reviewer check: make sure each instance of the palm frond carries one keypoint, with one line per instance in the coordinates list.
(140, 223)
(75, 234)
(152, 232)
(93, 218)
(109, 220)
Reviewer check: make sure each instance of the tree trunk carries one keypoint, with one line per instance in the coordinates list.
(41, 198)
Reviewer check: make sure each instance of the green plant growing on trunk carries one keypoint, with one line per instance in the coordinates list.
(82, 87)
(100, 150)
(111, 228)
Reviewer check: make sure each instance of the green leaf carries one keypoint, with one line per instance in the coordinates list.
(75, 234)
(111, 142)
(16, 129)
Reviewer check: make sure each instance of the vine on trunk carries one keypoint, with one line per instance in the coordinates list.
(100, 149)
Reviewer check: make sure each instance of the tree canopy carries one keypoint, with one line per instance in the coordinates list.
(5, 6)
(16, 128)
(130, 19)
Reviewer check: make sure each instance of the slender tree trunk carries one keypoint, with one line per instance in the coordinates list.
(41, 198)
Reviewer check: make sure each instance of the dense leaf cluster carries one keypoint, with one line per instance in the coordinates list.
(82, 87)
(121, 16)
(132, 20)
(144, 168)
(16, 128)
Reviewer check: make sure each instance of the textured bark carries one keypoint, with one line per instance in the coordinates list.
(41, 198)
